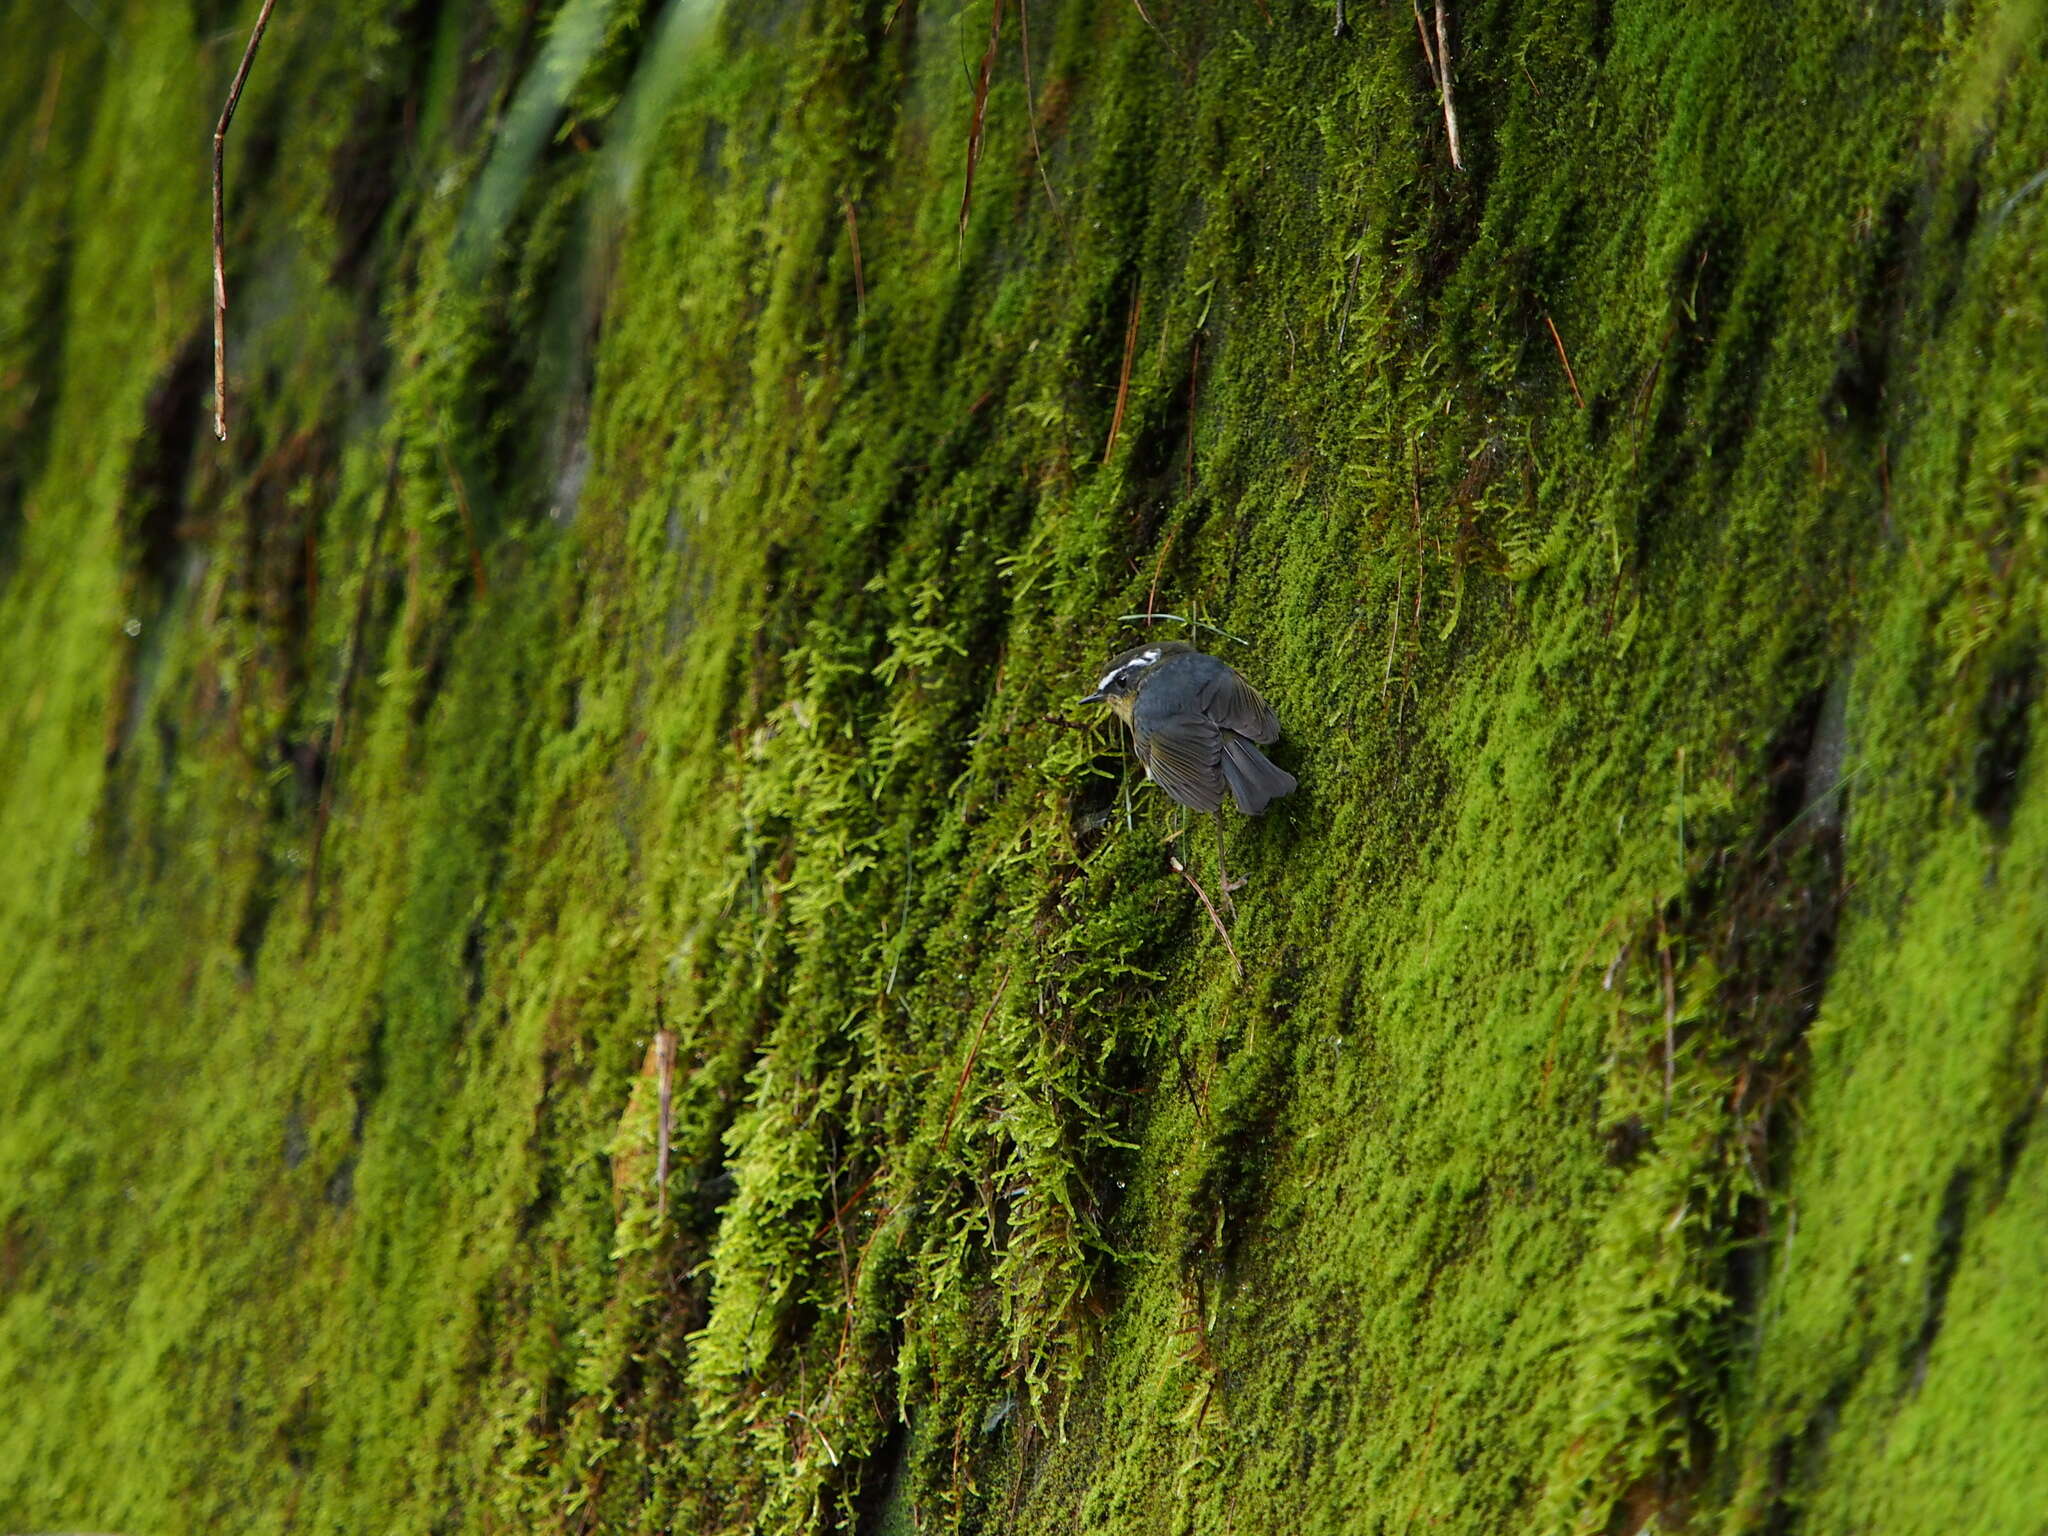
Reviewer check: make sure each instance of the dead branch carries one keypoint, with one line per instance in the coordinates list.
(665, 1070)
(1123, 383)
(1443, 69)
(967, 1068)
(1569, 377)
(1221, 932)
(220, 219)
(1428, 49)
(860, 284)
(1031, 122)
(979, 120)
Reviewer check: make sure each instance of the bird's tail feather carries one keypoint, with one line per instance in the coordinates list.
(1254, 782)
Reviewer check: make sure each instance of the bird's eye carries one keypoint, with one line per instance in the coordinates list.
(1119, 679)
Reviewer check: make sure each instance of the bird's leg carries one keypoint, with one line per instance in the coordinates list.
(1222, 874)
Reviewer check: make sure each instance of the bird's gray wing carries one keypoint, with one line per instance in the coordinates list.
(1235, 705)
(1184, 755)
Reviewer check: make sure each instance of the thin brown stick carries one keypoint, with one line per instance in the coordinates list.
(1123, 383)
(839, 1234)
(1569, 377)
(859, 1264)
(665, 1071)
(979, 120)
(1164, 41)
(1443, 70)
(220, 221)
(350, 660)
(1158, 565)
(1649, 389)
(1428, 50)
(860, 285)
(845, 1210)
(1221, 932)
(1197, 1098)
(1031, 121)
(476, 555)
(46, 110)
(967, 1068)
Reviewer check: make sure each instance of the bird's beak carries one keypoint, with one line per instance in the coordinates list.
(1097, 697)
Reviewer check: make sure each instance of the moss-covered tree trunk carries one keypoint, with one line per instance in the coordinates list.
(610, 706)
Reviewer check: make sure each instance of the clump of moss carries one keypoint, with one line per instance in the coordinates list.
(661, 612)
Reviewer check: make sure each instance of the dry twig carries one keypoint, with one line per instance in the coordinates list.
(220, 218)
(846, 1209)
(1158, 565)
(1123, 383)
(860, 285)
(1210, 907)
(1428, 49)
(1443, 71)
(967, 1067)
(1569, 377)
(46, 111)
(1031, 122)
(979, 120)
(665, 1071)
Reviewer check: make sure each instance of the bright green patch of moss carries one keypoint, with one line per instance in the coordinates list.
(669, 620)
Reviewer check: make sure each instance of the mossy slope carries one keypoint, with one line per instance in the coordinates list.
(665, 526)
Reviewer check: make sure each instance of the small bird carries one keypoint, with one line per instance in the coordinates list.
(1197, 726)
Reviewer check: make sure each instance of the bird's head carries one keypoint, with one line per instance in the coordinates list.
(1126, 674)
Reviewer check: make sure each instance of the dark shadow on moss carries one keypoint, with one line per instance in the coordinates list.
(1863, 376)
(154, 500)
(2004, 735)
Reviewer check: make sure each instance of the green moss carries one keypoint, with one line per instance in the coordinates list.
(1625, 1111)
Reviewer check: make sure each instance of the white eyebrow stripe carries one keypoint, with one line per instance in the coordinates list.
(1145, 660)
